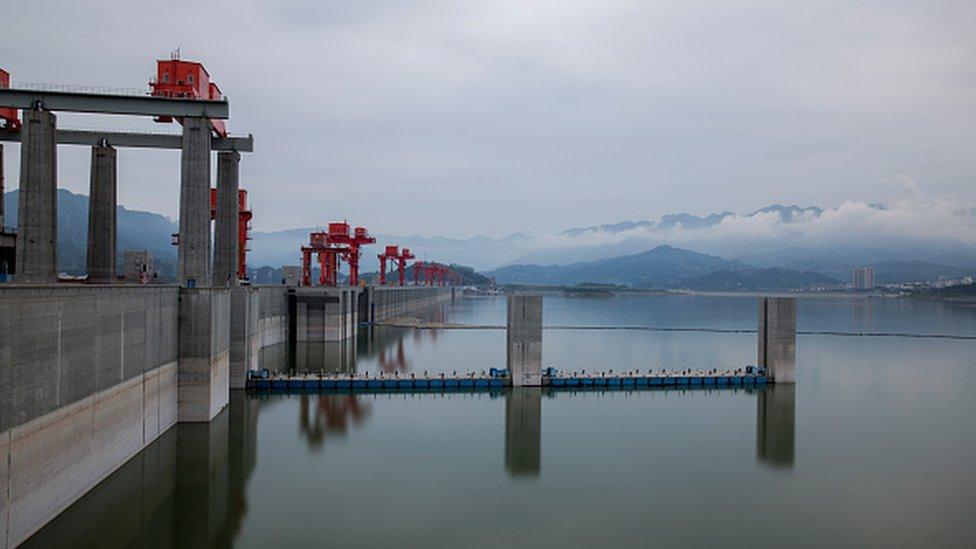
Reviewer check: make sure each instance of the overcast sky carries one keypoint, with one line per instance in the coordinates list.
(459, 118)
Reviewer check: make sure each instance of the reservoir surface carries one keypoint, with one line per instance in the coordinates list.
(874, 446)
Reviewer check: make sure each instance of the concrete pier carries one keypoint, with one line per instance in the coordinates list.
(777, 338)
(2, 190)
(524, 339)
(204, 353)
(37, 231)
(226, 225)
(194, 246)
(102, 215)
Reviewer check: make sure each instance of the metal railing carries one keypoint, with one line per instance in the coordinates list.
(76, 88)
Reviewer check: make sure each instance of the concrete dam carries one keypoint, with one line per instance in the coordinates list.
(95, 373)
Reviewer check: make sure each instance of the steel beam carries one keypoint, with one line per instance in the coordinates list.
(92, 138)
(142, 105)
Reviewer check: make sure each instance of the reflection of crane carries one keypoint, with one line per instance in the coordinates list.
(397, 363)
(333, 414)
(186, 79)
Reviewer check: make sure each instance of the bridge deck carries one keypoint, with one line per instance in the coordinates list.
(476, 382)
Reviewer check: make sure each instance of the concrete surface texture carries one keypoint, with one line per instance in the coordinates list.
(37, 231)
(194, 268)
(292, 275)
(204, 352)
(226, 225)
(524, 339)
(89, 381)
(137, 266)
(381, 303)
(325, 314)
(777, 337)
(2, 189)
(102, 216)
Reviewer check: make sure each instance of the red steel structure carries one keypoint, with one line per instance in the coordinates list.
(243, 228)
(8, 115)
(339, 236)
(185, 79)
(417, 268)
(402, 259)
(330, 246)
(327, 256)
(392, 253)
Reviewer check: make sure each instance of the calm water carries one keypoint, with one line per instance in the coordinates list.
(875, 446)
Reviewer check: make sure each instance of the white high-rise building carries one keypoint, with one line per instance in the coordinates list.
(864, 278)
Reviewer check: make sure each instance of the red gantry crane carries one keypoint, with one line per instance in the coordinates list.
(393, 253)
(339, 236)
(330, 246)
(8, 115)
(185, 79)
(402, 259)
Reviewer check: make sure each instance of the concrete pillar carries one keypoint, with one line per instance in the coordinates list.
(204, 353)
(101, 215)
(37, 230)
(244, 312)
(2, 220)
(523, 431)
(777, 338)
(524, 339)
(194, 248)
(225, 227)
(776, 424)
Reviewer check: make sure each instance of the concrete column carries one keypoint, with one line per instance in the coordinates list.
(523, 431)
(777, 338)
(102, 216)
(776, 424)
(2, 220)
(194, 249)
(225, 228)
(524, 339)
(37, 230)
(244, 312)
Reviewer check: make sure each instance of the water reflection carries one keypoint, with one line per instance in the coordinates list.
(776, 425)
(186, 489)
(523, 431)
(331, 416)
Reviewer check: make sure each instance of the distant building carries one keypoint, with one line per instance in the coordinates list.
(138, 267)
(292, 276)
(864, 278)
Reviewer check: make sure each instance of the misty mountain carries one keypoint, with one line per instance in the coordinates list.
(890, 266)
(663, 267)
(137, 230)
(758, 279)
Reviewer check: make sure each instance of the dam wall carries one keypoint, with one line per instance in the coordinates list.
(92, 374)
(88, 378)
(323, 313)
(385, 302)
